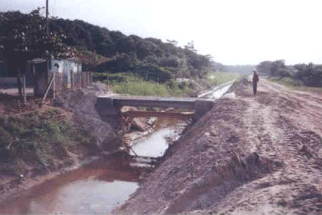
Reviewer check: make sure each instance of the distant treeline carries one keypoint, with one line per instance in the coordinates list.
(302, 74)
(240, 69)
(103, 50)
(149, 58)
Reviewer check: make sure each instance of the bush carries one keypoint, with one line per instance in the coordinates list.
(153, 73)
(282, 72)
(141, 88)
(183, 85)
(310, 75)
(172, 84)
(288, 81)
(38, 138)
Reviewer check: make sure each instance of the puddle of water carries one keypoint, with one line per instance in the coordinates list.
(84, 197)
(218, 93)
(94, 189)
(154, 145)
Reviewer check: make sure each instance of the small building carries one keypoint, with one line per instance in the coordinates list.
(68, 75)
(68, 68)
(66, 65)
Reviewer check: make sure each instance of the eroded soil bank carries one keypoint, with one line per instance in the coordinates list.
(37, 143)
(93, 188)
(252, 154)
(57, 141)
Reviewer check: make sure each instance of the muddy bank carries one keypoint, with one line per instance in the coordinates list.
(98, 186)
(90, 189)
(247, 155)
(37, 143)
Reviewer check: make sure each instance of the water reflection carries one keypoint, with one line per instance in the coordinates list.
(93, 189)
(84, 197)
(220, 92)
(217, 91)
(155, 144)
(100, 186)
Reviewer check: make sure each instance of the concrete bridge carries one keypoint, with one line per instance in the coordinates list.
(111, 105)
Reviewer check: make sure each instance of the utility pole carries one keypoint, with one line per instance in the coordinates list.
(48, 59)
(47, 24)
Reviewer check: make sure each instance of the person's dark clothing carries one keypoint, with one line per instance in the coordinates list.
(255, 80)
(255, 87)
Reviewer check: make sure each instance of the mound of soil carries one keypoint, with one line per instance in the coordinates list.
(82, 102)
(253, 154)
(38, 142)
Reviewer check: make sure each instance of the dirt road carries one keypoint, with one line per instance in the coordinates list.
(248, 155)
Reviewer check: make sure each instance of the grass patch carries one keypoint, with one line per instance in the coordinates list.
(39, 139)
(287, 81)
(140, 88)
(150, 89)
(130, 84)
(218, 78)
(293, 84)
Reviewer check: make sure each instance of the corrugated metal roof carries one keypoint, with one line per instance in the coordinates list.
(38, 60)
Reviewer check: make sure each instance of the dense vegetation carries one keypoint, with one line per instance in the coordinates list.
(23, 38)
(299, 74)
(148, 58)
(41, 139)
(137, 66)
(131, 64)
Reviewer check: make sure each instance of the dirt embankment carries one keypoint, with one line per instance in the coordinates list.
(252, 154)
(38, 142)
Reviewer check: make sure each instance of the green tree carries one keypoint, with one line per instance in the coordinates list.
(23, 37)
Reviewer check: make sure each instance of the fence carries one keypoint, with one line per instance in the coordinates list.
(78, 80)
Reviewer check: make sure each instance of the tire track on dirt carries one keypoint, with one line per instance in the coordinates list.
(254, 154)
(278, 139)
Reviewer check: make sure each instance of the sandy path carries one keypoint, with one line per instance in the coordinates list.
(250, 155)
(281, 127)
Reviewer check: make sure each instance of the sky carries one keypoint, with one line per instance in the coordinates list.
(234, 32)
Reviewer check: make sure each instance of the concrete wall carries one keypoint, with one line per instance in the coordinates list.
(110, 105)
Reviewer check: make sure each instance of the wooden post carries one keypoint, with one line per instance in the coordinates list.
(80, 81)
(47, 22)
(24, 88)
(87, 75)
(108, 82)
(35, 78)
(72, 79)
(54, 85)
(87, 78)
(50, 83)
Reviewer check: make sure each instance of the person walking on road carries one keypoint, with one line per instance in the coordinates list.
(255, 80)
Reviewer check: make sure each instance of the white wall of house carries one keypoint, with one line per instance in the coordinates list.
(66, 66)
(57, 69)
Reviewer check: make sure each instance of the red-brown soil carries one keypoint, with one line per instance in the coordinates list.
(249, 155)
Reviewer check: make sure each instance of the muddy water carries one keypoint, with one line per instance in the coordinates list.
(217, 91)
(155, 144)
(96, 188)
(101, 186)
